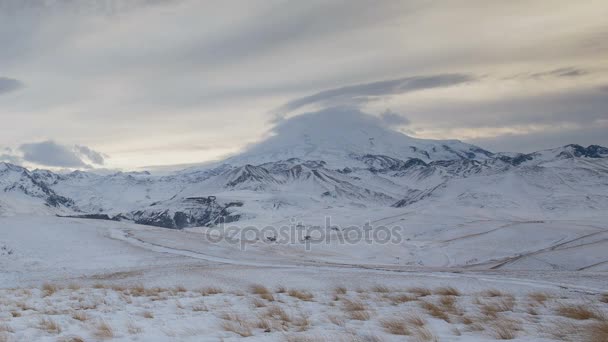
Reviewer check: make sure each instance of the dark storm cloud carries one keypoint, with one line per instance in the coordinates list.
(359, 93)
(9, 84)
(50, 153)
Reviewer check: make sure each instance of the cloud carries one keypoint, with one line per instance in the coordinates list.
(9, 84)
(391, 119)
(9, 158)
(94, 156)
(566, 72)
(50, 153)
(359, 93)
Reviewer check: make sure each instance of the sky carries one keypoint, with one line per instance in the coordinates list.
(123, 84)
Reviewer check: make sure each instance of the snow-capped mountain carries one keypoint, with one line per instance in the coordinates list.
(340, 137)
(322, 163)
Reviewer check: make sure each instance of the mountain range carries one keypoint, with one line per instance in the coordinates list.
(324, 163)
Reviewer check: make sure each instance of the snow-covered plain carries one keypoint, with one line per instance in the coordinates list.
(100, 280)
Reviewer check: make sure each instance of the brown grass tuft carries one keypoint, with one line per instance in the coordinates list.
(134, 329)
(258, 303)
(420, 291)
(396, 326)
(356, 310)
(504, 328)
(49, 326)
(538, 297)
(301, 295)
(49, 289)
(259, 289)
(281, 289)
(604, 298)
(147, 314)
(277, 313)
(423, 334)
(400, 299)
(103, 331)
(80, 316)
(434, 310)
(492, 293)
(447, 291)
(236, 324)
(498, 304)
(207, 291)
(16, 314)
(340, 290)
(71, 338)
(597, 331)
(580, 312)
(380, 289)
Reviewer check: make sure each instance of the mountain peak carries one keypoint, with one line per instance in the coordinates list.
(337, 134)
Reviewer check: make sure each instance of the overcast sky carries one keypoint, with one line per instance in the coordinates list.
(131, 83)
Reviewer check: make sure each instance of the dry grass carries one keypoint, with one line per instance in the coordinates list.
(259, 289)
(180, 289)
(74, 287)
(597, 331)
(538, 297)
(340, 290)
(147, 314)
(336, 320)
(277, 313)
(396, 326)
(434, 310)
(423, 334)
(103, 331)
(71, 339)
(400, 299)
(380, 289)
(504, 328)
(15, 314)
(207, 291)
(447, 291)
(604, 298)
(448, 304)
(356, 310)
(80, 316)
(281, 289)
(263, 292)
(301, 295)
(420, 291)
(49, 326)
(579, 312)
(492, 293)
(49, 289)
(134, 329)
(236, 324)
(498, 304)
(258, 303)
